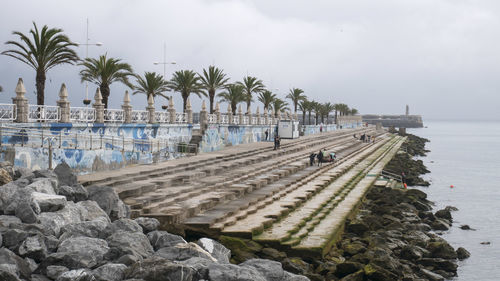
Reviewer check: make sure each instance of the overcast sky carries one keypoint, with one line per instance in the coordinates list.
(441, 57)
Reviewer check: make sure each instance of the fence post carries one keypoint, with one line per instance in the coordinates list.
(21, 102)
(151, 109)
(203, 116)
(189, 112)
(127, 109)
(99, 107)
(63, 104)
(257, 120)
(217, 113)
(171, 110)
(229, 114)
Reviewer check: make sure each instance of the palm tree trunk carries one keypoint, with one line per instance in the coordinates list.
(233, 108)
(248, 105)
(105, 94)
(335, 116)
(40, 87)
(184, 101)
(303, 117)
(309, 119)
(211, 96)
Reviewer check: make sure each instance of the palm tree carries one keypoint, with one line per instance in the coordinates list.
(233, 95)
(103, 72)
(1, 89)
(327, 108)
(152, 85)
(310, 108)
(304, 106)
(186, 82)
(354, 111)
(296, 95)
(317, 110)
(212, 80)
(49, 47)
(251, 85)
(266, 97)
(279, 105)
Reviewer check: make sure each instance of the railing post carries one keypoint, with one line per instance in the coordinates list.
(229, 114)
(50, 155)
(203, 116)
(60, 139)
(99, 107)
(189, 112)
(42, 139)
(171, 110)
(76, 140)
(127, 109)
(21, 103)
(151, 109)
(217, 113)
(240, 115)
(63, 104)
(258, 116)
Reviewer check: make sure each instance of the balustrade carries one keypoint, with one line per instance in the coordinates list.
(82, 114)
(162, 117)
(140, 116)
(43, 113)
(114, 115)
(8, 112)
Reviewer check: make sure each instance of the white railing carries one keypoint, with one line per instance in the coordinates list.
(246, 119)
(162, 117)
(140, 116)
(180, 117)
(254, 120)
(43, 113)
(8, 112)
(82, 114)
(263, 120)
(212, 118)
(236, 119)
(114, 115)
(224, 119)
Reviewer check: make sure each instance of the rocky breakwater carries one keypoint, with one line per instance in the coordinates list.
(52, 228)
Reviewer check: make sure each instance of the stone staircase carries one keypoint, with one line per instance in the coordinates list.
(183, 188)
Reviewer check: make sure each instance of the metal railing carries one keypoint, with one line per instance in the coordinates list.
(224, 119)
(212, 118)
(391, 175)
(8, 112)
(140, 116)
(82, 114)
(162, 117)
(245, 120)
(263, 121)
(114, 115)
(236, 119)
(254, 120)
(43, 113)
(180, 117)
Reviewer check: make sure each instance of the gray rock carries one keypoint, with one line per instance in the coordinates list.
(20, 195)
(74, 193)
(27, 212)
(76, 275)
(440, 224)
(7, 193)
(129, 259)
(162, 269)
(14, 264)
(12, 238)
(109, 201)
(92, 229)
(441, 249)
(71, 213)
(431, 275)
(215, 249)
(271, 270)
(462, 253)
(65, 175)
(147, 224)
(39, 277)
(130, 243)
(200, 266)
(23, 182)
(44, 185)
(161, 239)
(90, 210)
(6, 221)
(54, 271)
(21, 172)
(293, 277)
(182, 252)
(6, 275)
(31, 263)
(231, 272)
(33, 247)
(49, 202)
(110, 272)
(443, 214)
(82, 252)
(51, 242)
(126, 225)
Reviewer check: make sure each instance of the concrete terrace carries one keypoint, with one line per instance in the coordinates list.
(253, 191)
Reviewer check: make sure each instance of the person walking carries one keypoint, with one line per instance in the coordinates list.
(276, 141)
(279, 141)
(311, 159)
(320, 158)
(267, 133)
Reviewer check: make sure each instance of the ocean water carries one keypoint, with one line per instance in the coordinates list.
(467, 156)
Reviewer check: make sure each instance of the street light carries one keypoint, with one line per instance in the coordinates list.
(86, 101)
(164, 62)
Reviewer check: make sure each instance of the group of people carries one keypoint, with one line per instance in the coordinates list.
(366, 138)
(322, 156)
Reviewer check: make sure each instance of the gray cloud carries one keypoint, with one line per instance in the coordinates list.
(440, 57)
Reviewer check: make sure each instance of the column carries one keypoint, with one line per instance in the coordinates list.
(217, 113)
(63, 104)
(171, 110)
(151, 109)
(240, 115)
(127, 108)
(203, 115)
(230, 113)
(189, 112)
(21, 103)
(99, 107)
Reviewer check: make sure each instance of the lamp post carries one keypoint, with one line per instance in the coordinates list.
(164, 62)
(86, 101)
